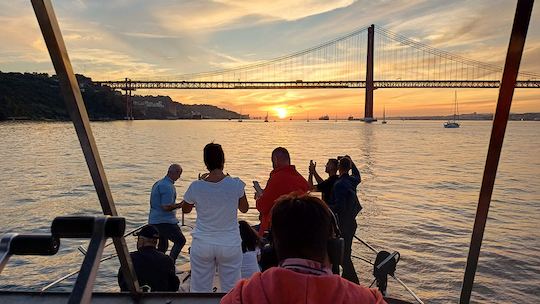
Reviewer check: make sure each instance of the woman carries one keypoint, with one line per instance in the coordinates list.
(216, 238)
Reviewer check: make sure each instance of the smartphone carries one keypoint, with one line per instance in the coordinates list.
(257, 187)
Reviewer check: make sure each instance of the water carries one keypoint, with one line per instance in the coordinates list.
(419, 191)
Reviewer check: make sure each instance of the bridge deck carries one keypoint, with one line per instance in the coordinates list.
(134, 85)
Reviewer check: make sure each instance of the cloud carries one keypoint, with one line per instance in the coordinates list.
(225, 14)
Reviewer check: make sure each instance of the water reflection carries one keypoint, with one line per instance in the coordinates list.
(419, 191)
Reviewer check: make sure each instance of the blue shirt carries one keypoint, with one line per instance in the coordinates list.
(163, 193)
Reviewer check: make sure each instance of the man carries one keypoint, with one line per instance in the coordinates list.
(153, 268)
(324, 186)
(346, 206)
(301, 229)
(284, 179)
(163, 212)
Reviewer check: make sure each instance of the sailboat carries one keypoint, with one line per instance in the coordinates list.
(451, 124)
(384, 116)
(266, 117)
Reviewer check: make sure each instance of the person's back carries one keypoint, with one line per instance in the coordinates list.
(153, 268)
(284, 179)
(278, 285)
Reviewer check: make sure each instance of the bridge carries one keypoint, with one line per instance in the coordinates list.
(369, 58)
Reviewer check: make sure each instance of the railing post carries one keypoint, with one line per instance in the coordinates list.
(368, 110)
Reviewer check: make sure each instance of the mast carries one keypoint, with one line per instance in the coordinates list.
(506, 92)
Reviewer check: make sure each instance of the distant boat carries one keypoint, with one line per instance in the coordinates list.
(452, 124)
(266, 117)
(384, 116)
(307, 117)
(325, 117)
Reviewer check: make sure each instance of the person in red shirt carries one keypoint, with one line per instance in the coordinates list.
(301, 231)
(284, 179)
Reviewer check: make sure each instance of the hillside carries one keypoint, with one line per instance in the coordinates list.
(35, 96)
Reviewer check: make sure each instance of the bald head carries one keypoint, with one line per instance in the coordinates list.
(280, 157)
(174, 172)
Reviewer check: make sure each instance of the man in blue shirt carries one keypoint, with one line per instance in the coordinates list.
(163, 212)
(346, 206)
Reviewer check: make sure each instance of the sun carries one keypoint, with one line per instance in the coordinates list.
(281, 112)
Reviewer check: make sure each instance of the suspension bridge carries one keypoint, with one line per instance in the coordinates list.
(369, 58)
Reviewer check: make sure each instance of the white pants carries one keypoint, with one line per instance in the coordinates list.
(205, 258)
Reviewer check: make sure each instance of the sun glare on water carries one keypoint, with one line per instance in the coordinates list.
(281, 112)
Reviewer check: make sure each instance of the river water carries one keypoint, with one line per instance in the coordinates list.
(420, 185)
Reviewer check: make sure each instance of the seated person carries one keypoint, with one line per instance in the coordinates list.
(251, 249)
(301, 228)
(154, 269)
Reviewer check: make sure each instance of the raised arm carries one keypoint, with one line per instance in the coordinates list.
(265, 202)
(313, 173)
(355, 172)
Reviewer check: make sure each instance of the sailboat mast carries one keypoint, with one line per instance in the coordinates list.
(455, 104)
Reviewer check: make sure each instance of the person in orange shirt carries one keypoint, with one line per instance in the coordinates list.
(284, 179)
(302, 233)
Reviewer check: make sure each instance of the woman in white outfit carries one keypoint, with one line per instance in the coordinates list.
(216, 241)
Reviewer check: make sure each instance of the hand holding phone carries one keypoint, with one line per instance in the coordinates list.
(258, 189)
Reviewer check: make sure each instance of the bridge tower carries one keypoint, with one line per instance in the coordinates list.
(368, 110)
(129, 101)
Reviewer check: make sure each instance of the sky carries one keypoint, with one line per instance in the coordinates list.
(114, 39)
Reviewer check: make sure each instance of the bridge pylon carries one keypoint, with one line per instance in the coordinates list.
(368, 109)
(128, 99)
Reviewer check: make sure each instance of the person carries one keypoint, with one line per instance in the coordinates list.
(323, 186)
(301, 229)
(163, 212)
(346, 207)
(284, 179)
(216, 238)
(251, 251)
(155, 270)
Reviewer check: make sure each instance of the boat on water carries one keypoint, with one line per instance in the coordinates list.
(324, 117)
(454, 123)
(384, 116)
(266, 117)
(98, 229)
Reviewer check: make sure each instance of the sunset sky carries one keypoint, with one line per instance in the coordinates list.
(110, 40)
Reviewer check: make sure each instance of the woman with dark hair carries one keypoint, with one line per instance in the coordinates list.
(251, 244)
(216, 241)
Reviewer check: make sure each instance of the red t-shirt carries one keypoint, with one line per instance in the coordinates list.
(279, 285)
(282, 181)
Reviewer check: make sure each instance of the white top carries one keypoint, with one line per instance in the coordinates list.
(249, 263)
(217, 210)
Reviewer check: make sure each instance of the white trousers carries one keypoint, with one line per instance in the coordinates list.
(205, 258)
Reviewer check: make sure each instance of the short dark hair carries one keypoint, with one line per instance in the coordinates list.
(334, 162)
(344, 164)
(281, 153)
(301, 227)
(214, 158)
(250, 239)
